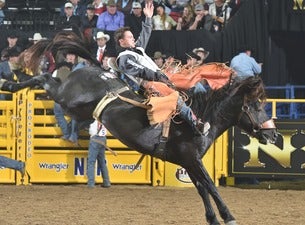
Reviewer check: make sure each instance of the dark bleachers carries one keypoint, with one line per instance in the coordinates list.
(37, 20)
(43, 4)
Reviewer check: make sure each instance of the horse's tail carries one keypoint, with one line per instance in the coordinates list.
(36, 51)
(74, 48)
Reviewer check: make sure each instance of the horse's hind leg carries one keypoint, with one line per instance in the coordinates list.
(205, 185)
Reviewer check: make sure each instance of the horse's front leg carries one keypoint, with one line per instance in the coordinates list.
(209, 211)
(204, 185)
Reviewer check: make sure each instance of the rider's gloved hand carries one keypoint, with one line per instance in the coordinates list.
(161, 76)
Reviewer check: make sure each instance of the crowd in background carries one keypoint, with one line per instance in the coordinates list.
(87, 17)
(92, 20)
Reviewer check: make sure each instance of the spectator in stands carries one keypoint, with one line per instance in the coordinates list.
(69, 21)
(159, 59)
(244, 65)
(193, 4)
(7, 66)
(176, 8)
(12, 164)
(124, 6)
(12, 40)
(202, 19)
(135, 19)
(101, 40)
(108, 58)
(79, 9)
(2, 4)
(187, 18)
(192, 60)
(88, 23)
(100, 7)
(202, 53)
(162, 21)
(220, 12)
(112, 19)
(96, 152)
(37, 37)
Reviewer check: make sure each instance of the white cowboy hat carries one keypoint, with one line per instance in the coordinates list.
(37, 37)
(101, 34)
(205, 52)
(69, 5)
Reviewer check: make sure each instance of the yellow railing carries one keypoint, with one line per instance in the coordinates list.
(275, 102)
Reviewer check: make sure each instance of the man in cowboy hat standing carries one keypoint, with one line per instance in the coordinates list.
(101, 40)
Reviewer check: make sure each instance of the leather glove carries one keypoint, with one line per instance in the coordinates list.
(163, 78)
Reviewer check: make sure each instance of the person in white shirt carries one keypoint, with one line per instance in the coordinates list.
(162, 21)
(96, 152)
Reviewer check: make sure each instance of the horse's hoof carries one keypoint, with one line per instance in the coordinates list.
(232, 222)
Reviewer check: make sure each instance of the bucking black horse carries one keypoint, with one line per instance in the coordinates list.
(239, 103)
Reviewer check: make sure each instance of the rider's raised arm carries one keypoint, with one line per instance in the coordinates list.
(146, 26)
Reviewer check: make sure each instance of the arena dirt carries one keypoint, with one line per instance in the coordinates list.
(142, 205)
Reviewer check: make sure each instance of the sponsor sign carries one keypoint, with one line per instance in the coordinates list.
(71, 167)
(284, 159)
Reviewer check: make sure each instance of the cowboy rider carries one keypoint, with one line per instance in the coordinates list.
(138, 67)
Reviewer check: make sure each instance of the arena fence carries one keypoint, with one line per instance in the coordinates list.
(8, 134)
(29, 132)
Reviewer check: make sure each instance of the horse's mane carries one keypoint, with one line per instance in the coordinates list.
(250, 89)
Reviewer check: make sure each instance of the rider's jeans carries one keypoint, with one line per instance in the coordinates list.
(96, 152)
(186, 113)
(11, 163)
(69, 130)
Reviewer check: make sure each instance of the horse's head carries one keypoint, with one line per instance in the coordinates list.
(253, 118)
(238, 103)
